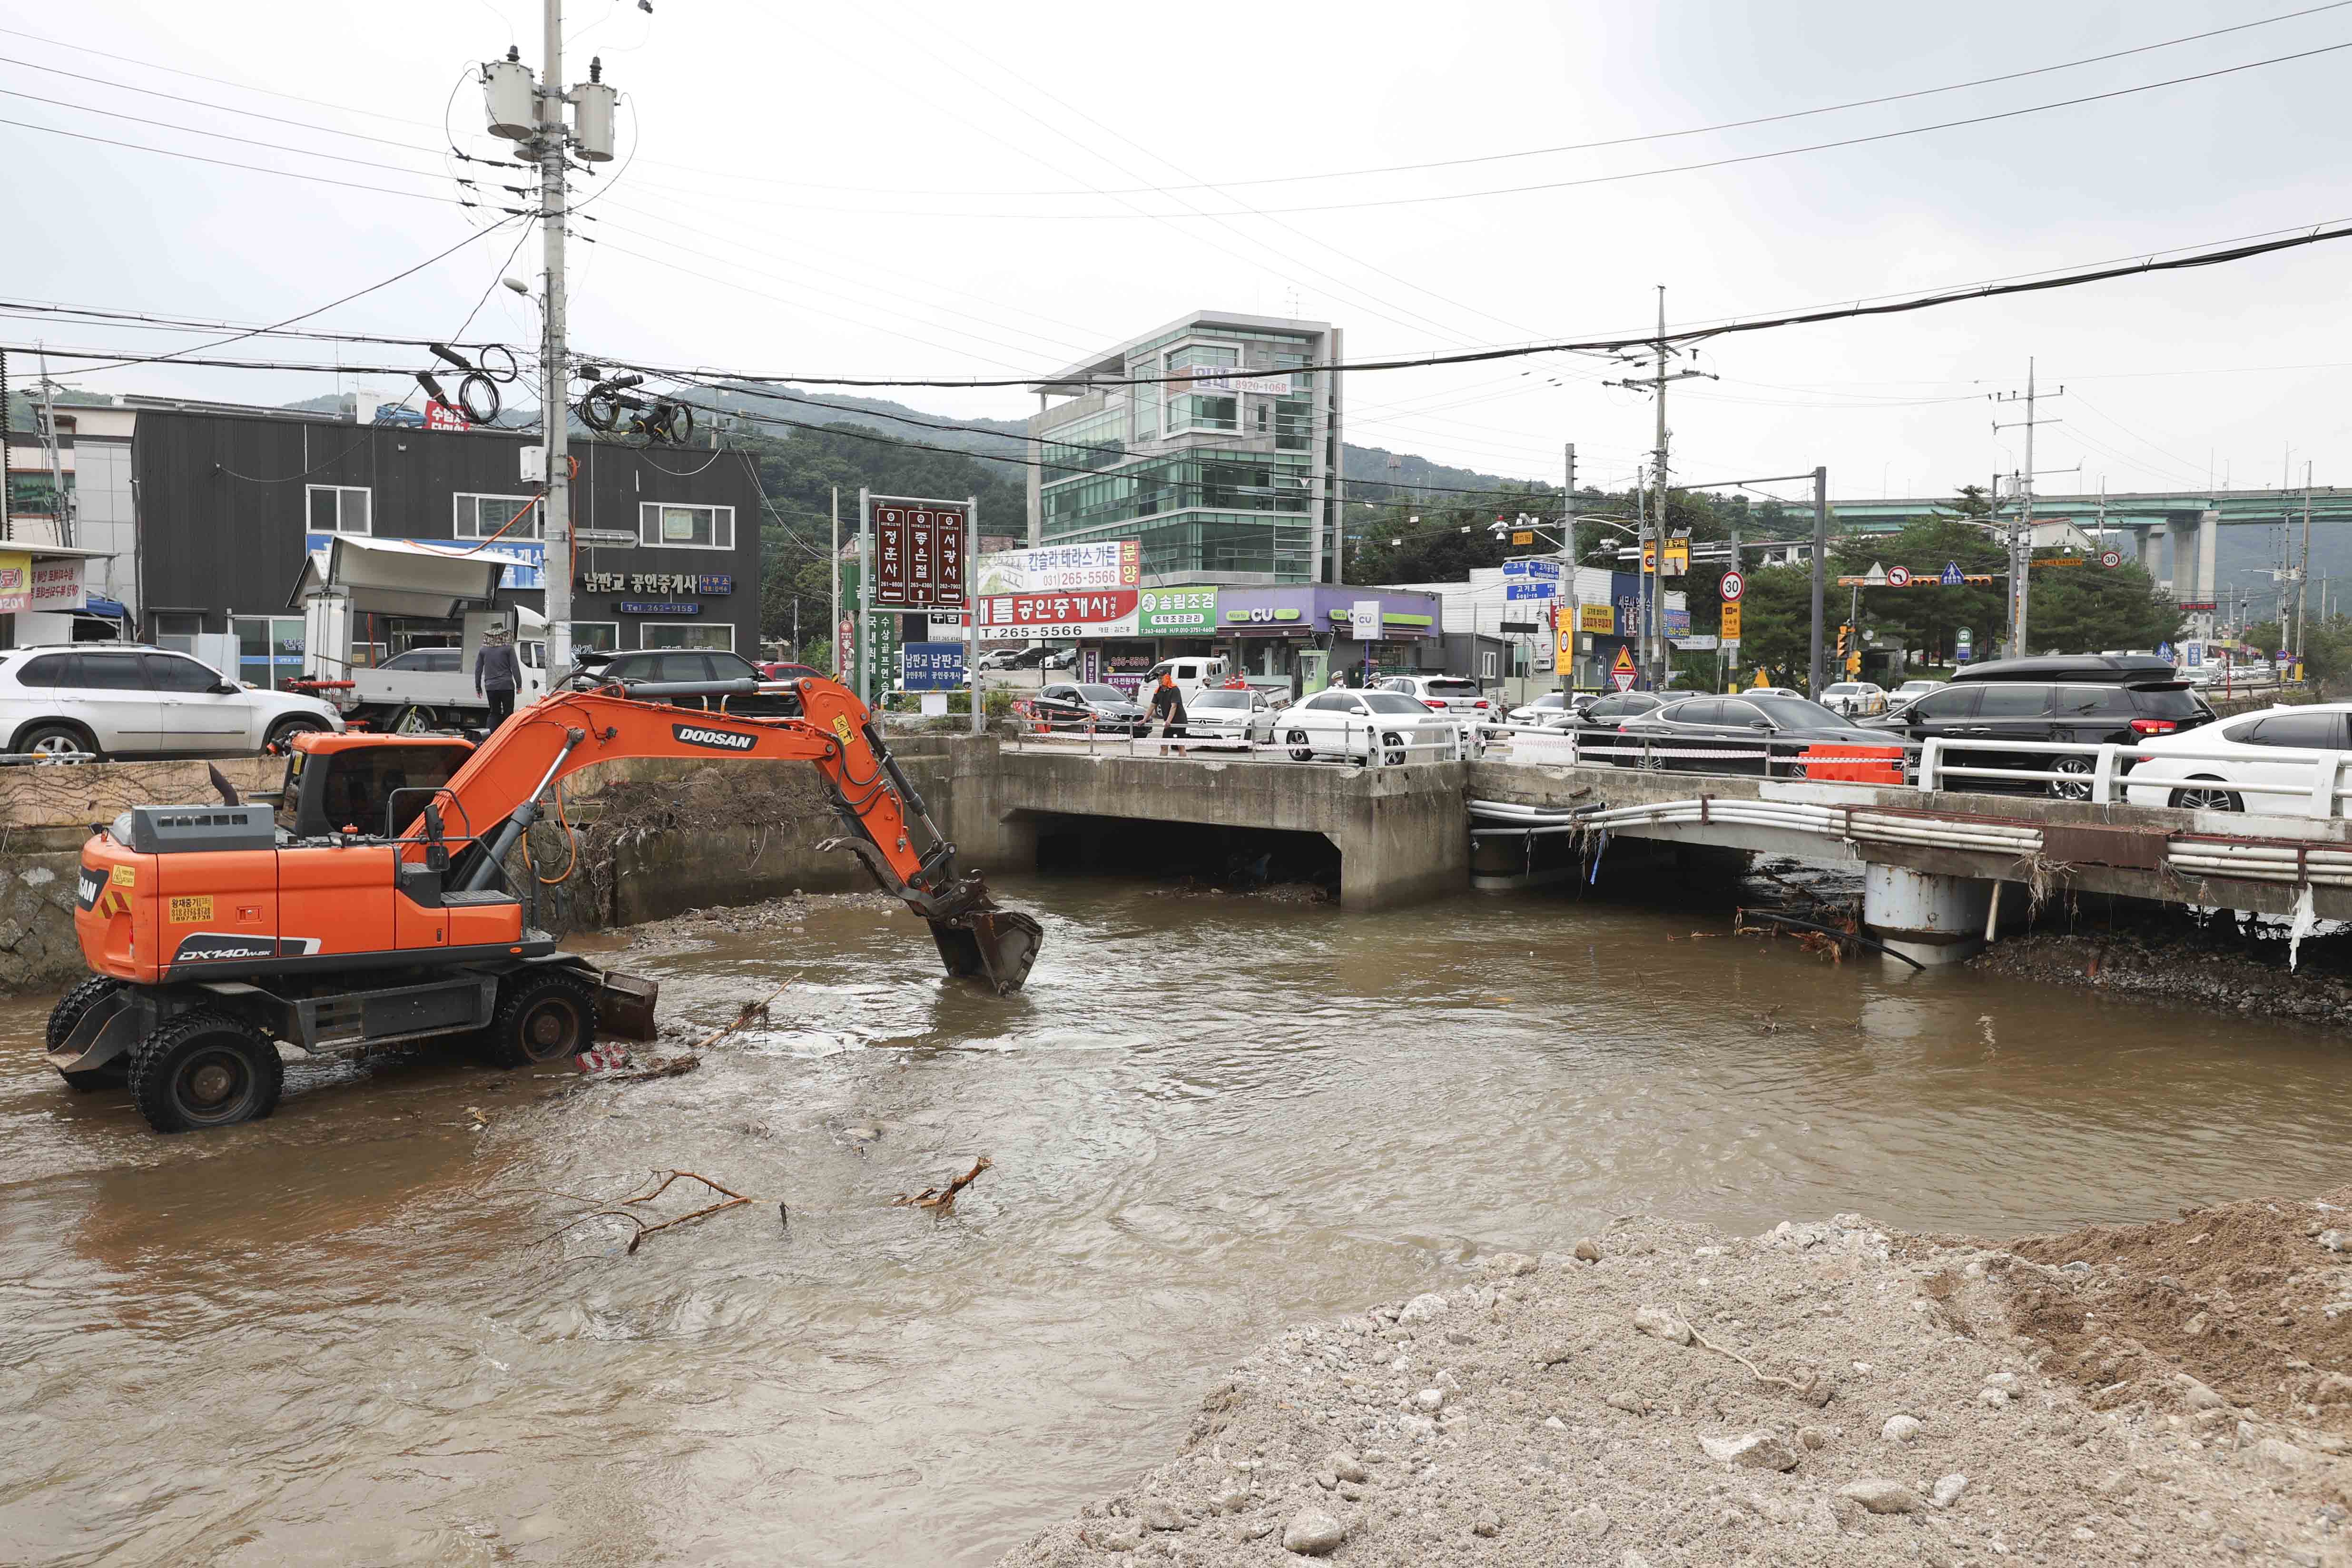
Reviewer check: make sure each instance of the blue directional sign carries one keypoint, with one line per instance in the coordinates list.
(1531, 569)
(1953, 577)
(1530, 590)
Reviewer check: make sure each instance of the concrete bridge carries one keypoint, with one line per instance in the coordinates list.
(1942, 867)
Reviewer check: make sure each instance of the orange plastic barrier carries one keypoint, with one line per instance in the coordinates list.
(1873, 764)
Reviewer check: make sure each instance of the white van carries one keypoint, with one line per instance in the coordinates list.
(1193, 672)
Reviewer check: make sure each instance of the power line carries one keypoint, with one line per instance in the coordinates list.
(261, 168)
(322, 309)
(1726, 162)
(227, 109)
(225, 136)
(1693, 131)
(2032, 283)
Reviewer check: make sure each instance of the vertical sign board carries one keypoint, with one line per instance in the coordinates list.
(1364, 626)
(918, 554)
(889, 555)
(1731, 618)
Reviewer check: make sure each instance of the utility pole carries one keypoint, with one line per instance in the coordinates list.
(60, 505)
(2021, 538)
(1821, 571)
(2302, 573)
(1566, 638)
(833, 628)
(554, 376)
(1654, 630)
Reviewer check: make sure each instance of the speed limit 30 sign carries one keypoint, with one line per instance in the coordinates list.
(1733, 585)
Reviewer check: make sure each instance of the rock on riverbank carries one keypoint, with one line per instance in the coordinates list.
(1563, 1410)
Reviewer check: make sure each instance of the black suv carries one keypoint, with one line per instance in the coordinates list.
(687, 664)
(2086, 699)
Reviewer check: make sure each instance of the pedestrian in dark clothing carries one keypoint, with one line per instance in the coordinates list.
(496, 674)
(1166, 710)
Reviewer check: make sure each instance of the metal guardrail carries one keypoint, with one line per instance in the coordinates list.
(1925, 765)
(1357, 745)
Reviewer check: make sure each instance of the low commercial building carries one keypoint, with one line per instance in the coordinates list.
(232, 501)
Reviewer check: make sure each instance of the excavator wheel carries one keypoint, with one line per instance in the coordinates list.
(542, 1017)
(206, 1069)
(71, 1008)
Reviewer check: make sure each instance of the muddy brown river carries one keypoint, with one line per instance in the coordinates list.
(342, 1336)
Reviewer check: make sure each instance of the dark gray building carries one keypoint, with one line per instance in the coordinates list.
(232, 500)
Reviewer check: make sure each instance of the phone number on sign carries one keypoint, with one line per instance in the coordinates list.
(1047, 629)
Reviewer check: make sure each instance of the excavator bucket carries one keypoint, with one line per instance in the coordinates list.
(997, 945)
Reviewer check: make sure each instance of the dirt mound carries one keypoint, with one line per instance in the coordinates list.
(2244, 1298)
(1825, 1395)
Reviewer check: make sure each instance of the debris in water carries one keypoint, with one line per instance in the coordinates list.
(751, 1012)
(623, 1211)
(944, 1198)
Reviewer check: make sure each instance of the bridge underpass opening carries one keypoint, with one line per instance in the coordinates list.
(1236, 859)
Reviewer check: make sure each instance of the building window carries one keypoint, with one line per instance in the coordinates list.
(601, 634)
(482, 517)
(688, 634)
(1293, 424)
(1203, 356)
(268, 648)
(339, 509)
(685, 528)
(175, 629)
(1198, 411)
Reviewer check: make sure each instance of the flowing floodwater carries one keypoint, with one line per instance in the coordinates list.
(338, 1336)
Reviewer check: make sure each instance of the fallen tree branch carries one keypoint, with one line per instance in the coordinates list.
(943, 1198)
(642, 1228)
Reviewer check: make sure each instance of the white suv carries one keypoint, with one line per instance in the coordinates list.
(117, 700)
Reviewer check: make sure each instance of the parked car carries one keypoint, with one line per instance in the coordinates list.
(2104, 701)
(1914, 688)
(118, 700)
(1348, 725)
(1194, 672)
(2094, 669)
(1551, 705)
(1082, 705)
(1717, 735)
(2279, 746)
(696, 663)
(1060, 659)
(999, 659)
(1442, 693)
(783, 669)
(1612, 708)
(1229, 713)
(1769, 691)
(1855, 699)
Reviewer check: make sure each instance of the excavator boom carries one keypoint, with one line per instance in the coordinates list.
(885, 823)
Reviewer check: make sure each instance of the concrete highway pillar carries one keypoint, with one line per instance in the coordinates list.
(1932, 919)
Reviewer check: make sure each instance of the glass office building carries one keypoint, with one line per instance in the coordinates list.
(1213, 440)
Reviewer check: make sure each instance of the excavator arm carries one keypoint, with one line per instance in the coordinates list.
(497, 797)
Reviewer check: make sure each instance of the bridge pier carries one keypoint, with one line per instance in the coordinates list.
(1930, 919)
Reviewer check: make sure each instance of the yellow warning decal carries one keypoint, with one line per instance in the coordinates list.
(125, 876)
(841, 728)
(189, 911)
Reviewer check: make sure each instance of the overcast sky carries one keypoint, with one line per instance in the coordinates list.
(918, 190)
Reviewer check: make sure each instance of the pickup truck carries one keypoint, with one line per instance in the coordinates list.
(432, 688)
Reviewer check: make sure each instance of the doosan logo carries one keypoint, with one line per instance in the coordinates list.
(717, 739)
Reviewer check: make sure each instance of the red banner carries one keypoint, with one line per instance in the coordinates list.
(951, 573)
(1102, 612)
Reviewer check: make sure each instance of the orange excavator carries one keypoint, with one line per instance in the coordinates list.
(369, 903)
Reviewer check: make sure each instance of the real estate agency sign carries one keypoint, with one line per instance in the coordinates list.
(1066, 591)
(919, 552)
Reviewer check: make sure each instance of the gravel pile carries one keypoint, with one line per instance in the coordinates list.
(1594, 1407)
